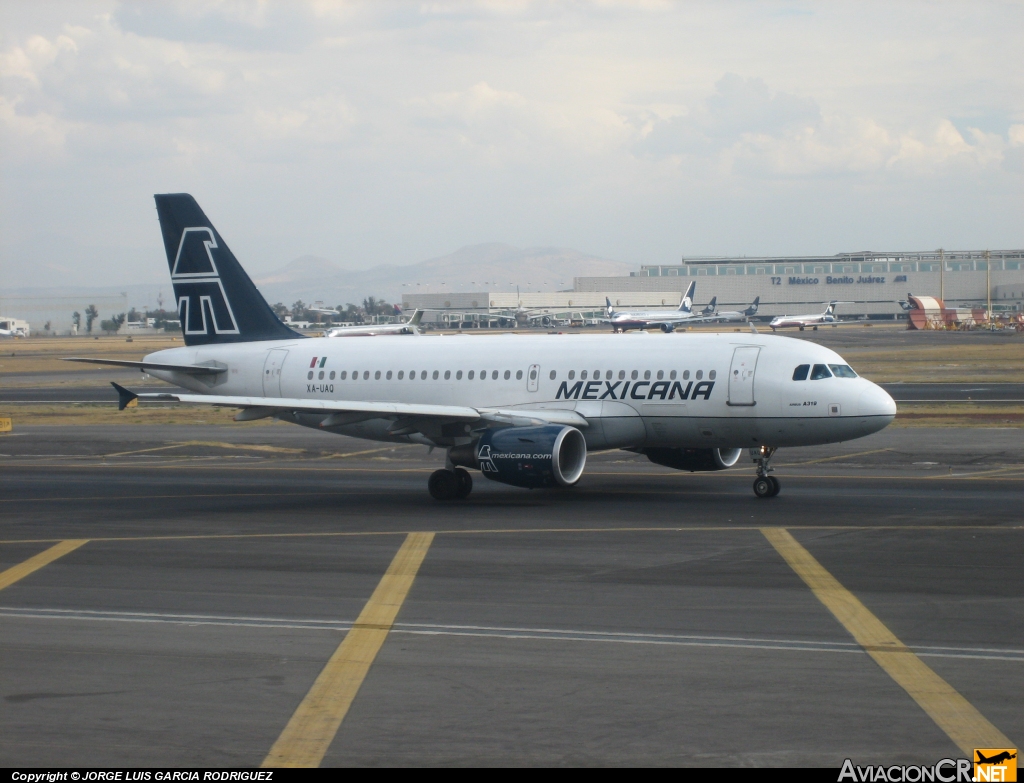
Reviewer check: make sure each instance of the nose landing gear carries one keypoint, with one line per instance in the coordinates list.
(765, 485)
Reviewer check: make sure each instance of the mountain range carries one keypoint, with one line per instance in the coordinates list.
(485, 267)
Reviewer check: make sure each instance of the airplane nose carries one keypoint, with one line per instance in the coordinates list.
(874, 401)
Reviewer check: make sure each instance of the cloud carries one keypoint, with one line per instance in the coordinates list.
(749, 129)
(375, 133)
(253, 26)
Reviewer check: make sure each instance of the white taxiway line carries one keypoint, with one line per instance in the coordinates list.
(501, 632)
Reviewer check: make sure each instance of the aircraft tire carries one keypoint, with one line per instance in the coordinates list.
(763, 487)
(443, 485)
(815, 328)
(776, 486)
(465, 483)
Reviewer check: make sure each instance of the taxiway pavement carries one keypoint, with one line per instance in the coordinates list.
(643, 617)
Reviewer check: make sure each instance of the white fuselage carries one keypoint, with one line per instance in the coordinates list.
(638, 319)
(812, 319)
(699, 391)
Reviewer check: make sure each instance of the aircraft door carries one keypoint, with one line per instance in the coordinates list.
(272, 372)
(741, 375)
(533, 378)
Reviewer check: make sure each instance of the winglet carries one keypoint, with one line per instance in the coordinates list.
(125, 398)
(752, 327)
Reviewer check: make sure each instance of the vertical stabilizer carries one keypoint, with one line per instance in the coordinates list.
(686, 303)
(216, 300)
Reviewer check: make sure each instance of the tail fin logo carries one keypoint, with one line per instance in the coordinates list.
(202, 302)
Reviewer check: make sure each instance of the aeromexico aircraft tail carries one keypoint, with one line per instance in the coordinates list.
(686, 304)
(217, 302)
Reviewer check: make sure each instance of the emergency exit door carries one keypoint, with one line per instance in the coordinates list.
(741, 375)
(533, 379)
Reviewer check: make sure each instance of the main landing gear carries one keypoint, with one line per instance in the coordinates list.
(765, 485)
(455, 484)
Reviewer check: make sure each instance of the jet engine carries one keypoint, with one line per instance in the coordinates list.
(694, 460)
(532, 457)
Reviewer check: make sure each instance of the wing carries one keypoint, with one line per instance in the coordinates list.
(407, 417)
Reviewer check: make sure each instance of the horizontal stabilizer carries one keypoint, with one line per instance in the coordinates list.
(125, 398)
(190, 369)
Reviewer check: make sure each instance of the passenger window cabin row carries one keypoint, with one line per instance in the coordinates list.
(821, 371)
(401, 375)
(495, 374)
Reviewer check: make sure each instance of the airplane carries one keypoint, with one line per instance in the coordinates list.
(524, 410)
(666, 320)
(526, 316)
(368, 330)
(739, 315)
(996, 759)
(827, 316)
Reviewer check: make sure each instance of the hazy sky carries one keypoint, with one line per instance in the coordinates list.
(390, 133)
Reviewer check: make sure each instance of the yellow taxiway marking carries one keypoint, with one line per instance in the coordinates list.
(311, 729)
(833, 459)
(523, 531)
(977, 474)
(211, 443)
(245, 447)
(956, 716)
(358, 453)
(141, 451)
(34, 563)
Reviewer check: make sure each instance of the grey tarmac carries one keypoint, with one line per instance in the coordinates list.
(640, 618)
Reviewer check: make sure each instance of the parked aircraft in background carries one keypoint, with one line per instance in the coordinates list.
(664, 319)
(412, 326)
(739, 315)
(524, 410)
(667, 320)
(528, 316)
(827, 316)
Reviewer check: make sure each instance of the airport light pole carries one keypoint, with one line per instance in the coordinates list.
(942, 272)
(988, 287)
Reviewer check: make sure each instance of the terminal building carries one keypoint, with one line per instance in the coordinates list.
(870, 284)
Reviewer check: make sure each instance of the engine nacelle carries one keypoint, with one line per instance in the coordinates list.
(694, 460)
(533, 457)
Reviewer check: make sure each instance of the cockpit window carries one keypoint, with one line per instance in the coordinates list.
(800, 373)
(842, 371)
(820, 371)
